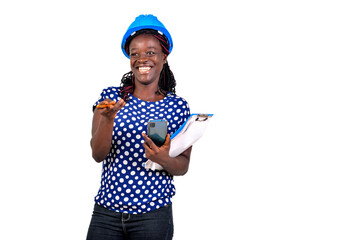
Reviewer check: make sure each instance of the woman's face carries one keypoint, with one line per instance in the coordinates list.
(146, 59)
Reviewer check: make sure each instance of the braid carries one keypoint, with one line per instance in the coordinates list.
(127, 85)
(167, 82)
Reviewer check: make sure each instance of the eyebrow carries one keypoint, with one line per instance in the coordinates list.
(132, 49)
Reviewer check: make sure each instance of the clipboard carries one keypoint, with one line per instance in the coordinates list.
(188, 133)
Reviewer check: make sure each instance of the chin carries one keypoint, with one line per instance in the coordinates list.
(145, 79)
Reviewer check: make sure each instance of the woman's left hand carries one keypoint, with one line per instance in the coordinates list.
(155, 153)
(176, 166)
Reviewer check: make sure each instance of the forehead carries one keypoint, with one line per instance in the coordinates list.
(144, 41)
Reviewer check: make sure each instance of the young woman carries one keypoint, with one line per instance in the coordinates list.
(132, 202)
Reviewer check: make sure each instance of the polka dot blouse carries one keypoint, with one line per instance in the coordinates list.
(126, 186)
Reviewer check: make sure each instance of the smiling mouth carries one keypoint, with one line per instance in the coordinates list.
(144, 70)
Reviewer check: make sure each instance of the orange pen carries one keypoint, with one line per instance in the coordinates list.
(105, 105)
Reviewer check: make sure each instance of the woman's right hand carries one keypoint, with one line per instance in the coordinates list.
(111, 108)
(102, 127)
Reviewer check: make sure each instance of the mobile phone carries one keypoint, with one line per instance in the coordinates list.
(157, 131)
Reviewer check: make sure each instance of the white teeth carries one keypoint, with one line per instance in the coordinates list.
(144, 69)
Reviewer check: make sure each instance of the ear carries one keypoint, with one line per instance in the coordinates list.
(164, 58)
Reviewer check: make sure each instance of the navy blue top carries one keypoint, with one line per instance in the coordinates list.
(126, 186)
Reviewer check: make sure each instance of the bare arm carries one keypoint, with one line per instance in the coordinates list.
(102, 128)
(175, 166)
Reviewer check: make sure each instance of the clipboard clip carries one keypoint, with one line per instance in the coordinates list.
(202, 117)
(193, 118)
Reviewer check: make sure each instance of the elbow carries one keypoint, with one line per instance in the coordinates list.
(181, 172)
(96, 154)
(185, 170)
(97, 157)
(184, 165)
(184, 162)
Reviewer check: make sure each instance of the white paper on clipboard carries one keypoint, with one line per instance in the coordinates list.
(184, 137)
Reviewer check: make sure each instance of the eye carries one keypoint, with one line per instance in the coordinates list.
(150, 53)
(134, 54)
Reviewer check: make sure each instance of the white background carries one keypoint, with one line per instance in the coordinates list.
(280, 159)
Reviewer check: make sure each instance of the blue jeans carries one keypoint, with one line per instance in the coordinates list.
(109, 225)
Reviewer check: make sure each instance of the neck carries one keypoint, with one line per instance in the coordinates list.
(147, 93)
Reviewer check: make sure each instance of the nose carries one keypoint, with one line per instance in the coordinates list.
(142, 58)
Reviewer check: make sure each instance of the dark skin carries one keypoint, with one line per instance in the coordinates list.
(146, 62)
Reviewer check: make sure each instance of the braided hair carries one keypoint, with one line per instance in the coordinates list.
(167, 81)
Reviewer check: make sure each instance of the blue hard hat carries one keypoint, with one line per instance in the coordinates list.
(147, 21)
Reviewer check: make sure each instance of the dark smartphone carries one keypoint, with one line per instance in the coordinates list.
(157, 131)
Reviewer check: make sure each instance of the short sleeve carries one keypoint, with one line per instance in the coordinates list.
(111, 93)
(186, 110)
(182, 112)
